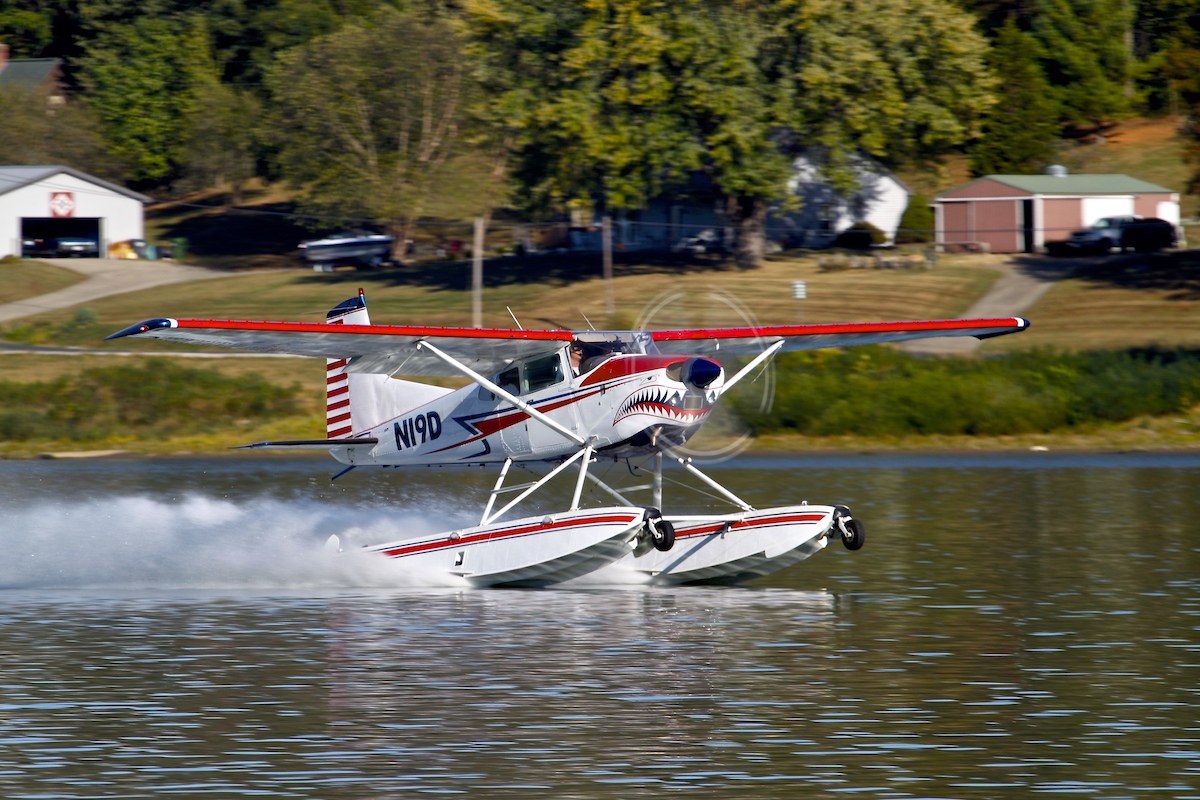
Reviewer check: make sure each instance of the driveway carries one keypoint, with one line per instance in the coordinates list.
(105, 277)
(1016, 291)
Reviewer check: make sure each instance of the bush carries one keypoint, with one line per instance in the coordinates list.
(860, 236)
(916, 226)
(883, 392)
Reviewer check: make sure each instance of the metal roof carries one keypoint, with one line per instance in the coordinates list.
(14, 177)
(29, 73)
(1071, 184)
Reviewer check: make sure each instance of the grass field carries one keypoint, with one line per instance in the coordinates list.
(1116, 302)
(20, 280)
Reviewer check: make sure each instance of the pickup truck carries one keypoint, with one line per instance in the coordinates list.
(1143, 234)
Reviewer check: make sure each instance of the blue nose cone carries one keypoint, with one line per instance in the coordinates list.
(700, 372)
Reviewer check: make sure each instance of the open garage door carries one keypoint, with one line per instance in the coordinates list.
(48, 237)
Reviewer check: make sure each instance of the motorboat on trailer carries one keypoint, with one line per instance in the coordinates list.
(353, 248)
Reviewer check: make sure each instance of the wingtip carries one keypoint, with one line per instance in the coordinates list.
(142, 327)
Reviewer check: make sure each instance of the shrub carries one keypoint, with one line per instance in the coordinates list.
(916, 226)
(883, 392)
(860, 236)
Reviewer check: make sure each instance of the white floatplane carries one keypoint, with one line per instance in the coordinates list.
(564, 399)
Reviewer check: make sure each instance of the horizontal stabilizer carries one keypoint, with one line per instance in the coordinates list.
(322, 444)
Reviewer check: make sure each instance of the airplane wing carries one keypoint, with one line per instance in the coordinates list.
(386, 349)
(735, 342)
(392, 349)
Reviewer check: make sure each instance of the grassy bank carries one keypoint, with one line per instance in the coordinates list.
(869, 399)
(21, 279)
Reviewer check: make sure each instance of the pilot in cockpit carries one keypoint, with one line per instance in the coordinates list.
(575, 355)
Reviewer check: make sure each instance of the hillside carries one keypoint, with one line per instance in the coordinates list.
(1148, 149)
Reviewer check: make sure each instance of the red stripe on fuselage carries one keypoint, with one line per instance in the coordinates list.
(622, 366)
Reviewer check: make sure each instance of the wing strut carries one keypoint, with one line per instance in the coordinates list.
(496, 390)
(759, 359)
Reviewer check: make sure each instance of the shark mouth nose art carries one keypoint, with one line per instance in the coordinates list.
(673, 404)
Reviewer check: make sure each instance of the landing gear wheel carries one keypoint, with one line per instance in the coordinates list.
(853, 533)
(663, 533)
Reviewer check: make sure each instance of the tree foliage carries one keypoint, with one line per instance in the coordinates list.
(632, 98)
(367, 116)
(34, 132)
(1019, 130)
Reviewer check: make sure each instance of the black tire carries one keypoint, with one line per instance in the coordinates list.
(854, 536)
(665, 538)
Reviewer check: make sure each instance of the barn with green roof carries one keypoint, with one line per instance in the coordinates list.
(1023, 213)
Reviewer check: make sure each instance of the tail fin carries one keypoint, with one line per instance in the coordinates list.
(358, 402)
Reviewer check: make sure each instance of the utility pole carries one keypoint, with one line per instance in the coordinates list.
(606, 246)
(477, 276)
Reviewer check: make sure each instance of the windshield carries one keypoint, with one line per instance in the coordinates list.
(1102, 223)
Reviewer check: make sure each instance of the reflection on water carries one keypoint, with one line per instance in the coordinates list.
(1013, 627)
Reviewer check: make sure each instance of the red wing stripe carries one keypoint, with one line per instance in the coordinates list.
(337, 405)
(341, 376)
(841, 327)
(338, 418)
(377, 330)
(338, 364)
(340, 432)
(336, 392)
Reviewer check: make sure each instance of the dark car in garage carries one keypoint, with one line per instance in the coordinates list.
(76, 247)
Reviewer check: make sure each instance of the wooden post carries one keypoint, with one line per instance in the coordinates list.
(477, 276)
(606, 245)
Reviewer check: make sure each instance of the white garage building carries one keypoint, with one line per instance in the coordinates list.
(41, 204)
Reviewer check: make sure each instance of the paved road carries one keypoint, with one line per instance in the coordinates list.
(105, 277)
(1010, 296)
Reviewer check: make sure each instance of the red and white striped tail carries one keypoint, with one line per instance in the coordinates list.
(356, 402)
(339, 421)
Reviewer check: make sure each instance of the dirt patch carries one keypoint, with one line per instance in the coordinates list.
(1144, 131)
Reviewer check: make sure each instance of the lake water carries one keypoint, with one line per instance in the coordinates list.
(1016, 626)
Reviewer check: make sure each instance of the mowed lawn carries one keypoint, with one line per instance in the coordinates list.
(20, 280)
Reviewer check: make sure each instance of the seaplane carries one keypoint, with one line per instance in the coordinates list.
(559, 401)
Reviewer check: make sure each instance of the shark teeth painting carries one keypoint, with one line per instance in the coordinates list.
(660, 402)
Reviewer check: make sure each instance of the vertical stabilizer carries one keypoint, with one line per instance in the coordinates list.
(356, 402)
(339, 416)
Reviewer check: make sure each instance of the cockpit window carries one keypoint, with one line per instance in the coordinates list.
(541, 372)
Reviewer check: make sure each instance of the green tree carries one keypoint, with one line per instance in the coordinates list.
(1019, 131)
(621, 100)
(140, 79)
(34, 132)
(1086, 54)
(26, 31)
(366, 117)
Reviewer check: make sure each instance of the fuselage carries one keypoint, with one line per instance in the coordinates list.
(623, 404)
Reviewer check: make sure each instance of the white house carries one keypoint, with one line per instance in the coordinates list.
(822, 212)
(47, 203)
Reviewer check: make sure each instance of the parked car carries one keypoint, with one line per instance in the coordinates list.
(76, 247)
(1128, 232)
(33, 247)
